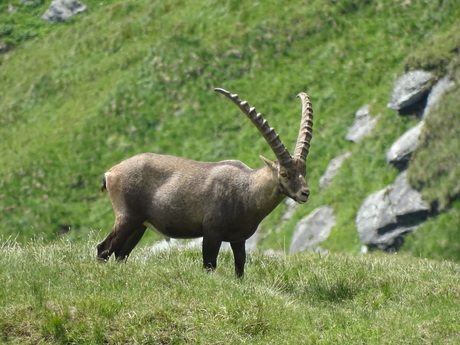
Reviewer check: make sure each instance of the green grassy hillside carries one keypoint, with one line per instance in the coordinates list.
(137, 76)
(58, 294)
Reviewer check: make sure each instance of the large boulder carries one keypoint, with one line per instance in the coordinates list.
(389, 214)
(332, 169)
(61, 10)
(363, 124)
(400, 152)
(312, 229)
(436, 93)
(410, 89)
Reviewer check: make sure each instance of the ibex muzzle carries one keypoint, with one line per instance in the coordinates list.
(219, 201)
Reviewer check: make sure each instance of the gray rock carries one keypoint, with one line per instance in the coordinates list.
(363, 125)
(312, 229)
(61, 10)
(389, 214)
(291, 206)
(400, 152)
(4, 48)
(407, 201)
(409, 89)
(374, 214)
(332, 169)
(436, 93)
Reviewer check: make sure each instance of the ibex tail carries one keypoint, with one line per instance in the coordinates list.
(104, 183)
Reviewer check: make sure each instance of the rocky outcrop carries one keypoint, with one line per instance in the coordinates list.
(400, 152)
(409, 90)
(61, 10)
(332, 169)
(363, 125)
(312, 229)
(436, 93)
(389, 214)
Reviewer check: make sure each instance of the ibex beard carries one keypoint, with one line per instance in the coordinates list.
(219, 201)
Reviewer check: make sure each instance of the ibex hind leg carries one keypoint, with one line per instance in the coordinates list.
(118, 238)
(130, 243)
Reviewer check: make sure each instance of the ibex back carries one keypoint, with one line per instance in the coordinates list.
(219, 201)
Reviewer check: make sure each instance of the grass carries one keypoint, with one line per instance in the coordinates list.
(57, 293)
(135, 76)
(21, 21)
(429, 242)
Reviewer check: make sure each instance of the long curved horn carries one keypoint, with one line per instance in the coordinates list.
(277, 146)
(306, 131)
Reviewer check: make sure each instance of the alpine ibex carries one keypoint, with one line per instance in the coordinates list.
(219, 201)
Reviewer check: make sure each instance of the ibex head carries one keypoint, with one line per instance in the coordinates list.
(291, 170)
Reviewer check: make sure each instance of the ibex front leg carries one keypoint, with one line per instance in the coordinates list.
(239, 253)
(211, 247)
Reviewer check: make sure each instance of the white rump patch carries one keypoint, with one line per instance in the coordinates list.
(106, 175)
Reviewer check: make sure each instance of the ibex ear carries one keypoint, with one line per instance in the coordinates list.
(268, 163)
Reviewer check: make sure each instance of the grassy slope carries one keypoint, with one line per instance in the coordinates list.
(136, 76)
(57, 294)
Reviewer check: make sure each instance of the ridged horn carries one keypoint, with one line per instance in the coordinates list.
(272, 138)
(306, 128)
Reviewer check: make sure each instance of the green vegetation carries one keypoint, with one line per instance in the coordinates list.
(20, 20)
(137, 76)
(436, 165)
(429, 242)
(134, 76)
(57, 293)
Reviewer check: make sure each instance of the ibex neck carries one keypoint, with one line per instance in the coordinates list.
(265, 188)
